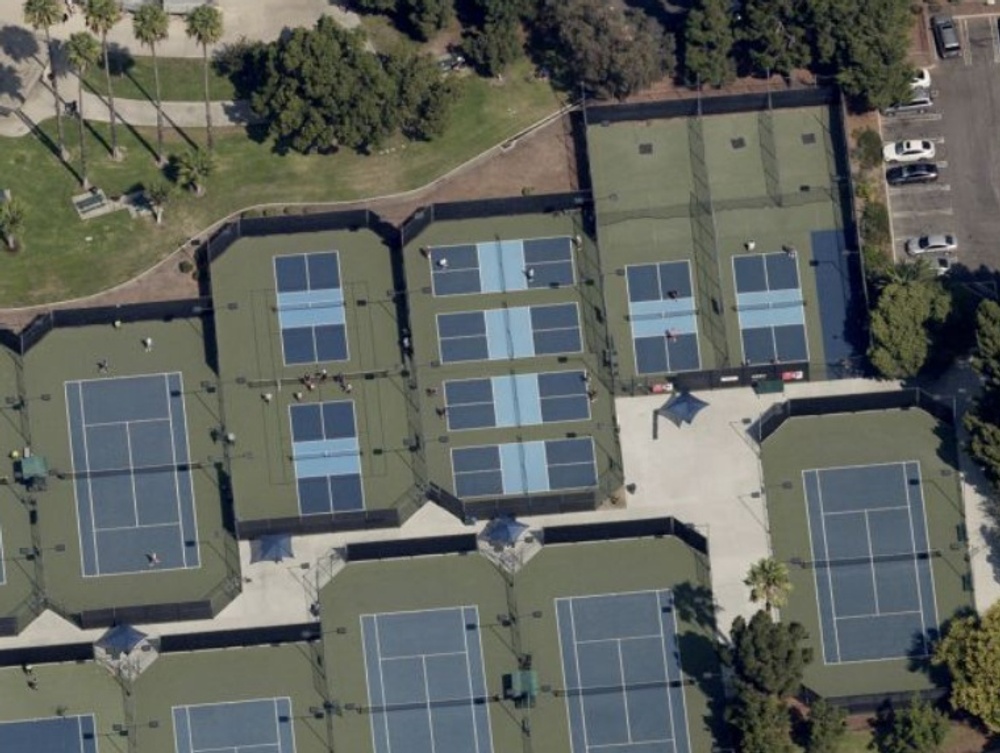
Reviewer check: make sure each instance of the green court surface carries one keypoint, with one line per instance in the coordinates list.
(69, 354)
(433, 371)
(861, 439)
(517, 617)
(261, 388)
(697, 190)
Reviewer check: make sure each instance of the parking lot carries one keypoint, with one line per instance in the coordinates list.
(963, 125)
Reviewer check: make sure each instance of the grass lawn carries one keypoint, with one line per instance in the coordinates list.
(66, 258)
(181, 79)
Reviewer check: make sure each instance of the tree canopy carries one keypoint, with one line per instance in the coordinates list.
(917, 728)
(708, 44)
(903, 324)
(970, 651)
(827, 726)
(761, 722)
(420, 18)
(766, 655)
(773, 37)
(611, 51)
(769, 583)
(320, 90)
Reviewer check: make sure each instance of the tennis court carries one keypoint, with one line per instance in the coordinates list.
(426, 682)
(622, 673)
(57, 734)
(311, 308)
(517, 400)
(508, 333)
(524, 467)
(663, 316)
(257, 726)
(771, 307)
(132, 474)
(327, 457)
(501, 266)
(872, 561)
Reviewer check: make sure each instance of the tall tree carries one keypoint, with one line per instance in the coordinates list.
(903, 325)
(12, 214)
(774, 36)
(151, 26)
(826, 728)
(42, 14)
(193, 167)
(767, 655)
(761, 721)
(204, 25)
(708, 44)
(917, 728)
(987, 356)
(429, 16)
(84, 51)
(101, 16)
(970, 651)
(769, 583)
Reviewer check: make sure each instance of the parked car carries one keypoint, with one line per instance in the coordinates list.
(911, 150)
(946, 36)
(918, 172)
(937, 243)
(921, 79)
(920, 102)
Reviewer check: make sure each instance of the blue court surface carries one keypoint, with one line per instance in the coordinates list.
(502, 266)
(426, 684)
(518, 332)
(771, 308)
(327, 457)
(311, 308)
(663, 317)
(132, 474)
(622, 672)
(517, 400)
(872, 561)
(258, 726)
(57, 734)
(524, 467)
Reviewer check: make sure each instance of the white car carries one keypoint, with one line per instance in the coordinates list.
(921, 79)
(938, 243)
(911, 150)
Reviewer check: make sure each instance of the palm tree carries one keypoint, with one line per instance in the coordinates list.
(204, 24)
(158, 195)
(150, 26)
(12, 212)
(101, 16)
(84, 51)
(769, 583)
(42, 14)
(193, 167)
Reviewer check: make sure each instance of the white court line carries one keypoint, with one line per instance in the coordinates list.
(645, 637)
(421, 656)
(829, 576)
(125, 423)
(132, 528)
(430, 713)
(666, 670)
(871, 561)
(468, 673)
(90, 485)
(579, 676)
(878, 614)
(131, 476)
(177, 473)
(865, 510)
(621, 673)
(381, 679)
(368, 682)
(824, 469)
(913, 541)
(622, 745)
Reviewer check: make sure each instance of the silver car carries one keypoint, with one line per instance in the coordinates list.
(938, 243)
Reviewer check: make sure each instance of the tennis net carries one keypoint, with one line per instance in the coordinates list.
(774, 305)
(131, 471)
(663, 315)
(839, 562)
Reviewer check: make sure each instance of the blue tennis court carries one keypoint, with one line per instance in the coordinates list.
(663, 317)
(524, 467)
(426, 683)
(502, 266)
(132, 474)
(771, 308)
(57, 734)
(507, 333)
(872, 560)
(311, 308)
(327, 457)
(517, 400)
(622, 672)
(258, 726)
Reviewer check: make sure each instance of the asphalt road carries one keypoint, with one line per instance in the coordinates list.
(965, 124)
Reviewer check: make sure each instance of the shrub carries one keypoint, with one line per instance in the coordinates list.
(869, 151)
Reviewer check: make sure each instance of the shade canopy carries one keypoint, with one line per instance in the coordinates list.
(504, 530)
(682, 408)
(272, 547)
(120, 639)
